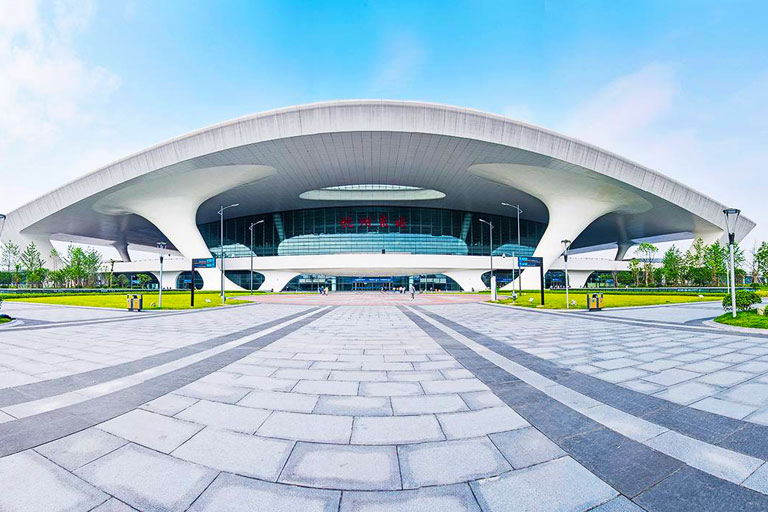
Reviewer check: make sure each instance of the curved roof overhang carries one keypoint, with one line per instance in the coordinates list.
(476, 159)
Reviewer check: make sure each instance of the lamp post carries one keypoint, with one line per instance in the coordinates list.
(161, 246)
(519, 277)
(251, 229)
(731, 216)
(221, 245)
(493, 281)
(566, 246)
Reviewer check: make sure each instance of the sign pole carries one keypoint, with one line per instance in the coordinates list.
(192, 286)
(541, 280)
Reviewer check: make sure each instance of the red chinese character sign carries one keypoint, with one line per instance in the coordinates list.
(365, 222)
(383, 222)
(346, 223)
(400, 222)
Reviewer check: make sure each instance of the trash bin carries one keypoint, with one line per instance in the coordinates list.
(135, 302)
(594, 301)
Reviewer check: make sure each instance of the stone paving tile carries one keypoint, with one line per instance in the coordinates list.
(687, 392)
(453, 386)
(481, 422)
(621, 375)
(725, 378)
(78, 449)
(343, 467)
(448, 498)
(354, 406)
(731, 466)
(758, 481)
(361, 376)
(724, 408)
(391, 430)
(671, 377)
(151, 430)
(428, 404)
(236, 493)
(213, 392)
(170, 404)
(481, 399)
(525, 447)
(618, 504)
(29, 482)
(113, 505)
(751, 394)
(412, 376)
(323, 387)
(448, 462)
(225, 416)
(530, 489)
(323, 428)
(237, 453)
(390, 388)
(147, 480)
(279, 401)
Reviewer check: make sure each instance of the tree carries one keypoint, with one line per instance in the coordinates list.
(10, 256)
(81, 266)
(122, 281)
(634, 269)
(32, 262)
(144, 280)
(672, 265)
(694, 270)
(714, 262)
(761, 260)
(647, 252)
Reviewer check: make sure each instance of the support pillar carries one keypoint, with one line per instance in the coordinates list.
(275, 280)
(468, 279)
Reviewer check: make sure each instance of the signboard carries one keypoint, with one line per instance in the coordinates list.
(529, 261)
(204, 263)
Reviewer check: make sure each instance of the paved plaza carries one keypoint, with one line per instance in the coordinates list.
(430, 405)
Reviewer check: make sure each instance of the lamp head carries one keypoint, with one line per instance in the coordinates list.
(731, 217)
(566, 245)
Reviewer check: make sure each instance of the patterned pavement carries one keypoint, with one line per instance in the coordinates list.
(390, 407)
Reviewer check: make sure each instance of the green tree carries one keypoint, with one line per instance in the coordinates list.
(714, 262)
(144, 280)
(32, 262)
(672, 265)
(694, 270)
(81, 266)
(122, 281)
(10, 257)
(635, 269)
(761, 261)
(647, 252)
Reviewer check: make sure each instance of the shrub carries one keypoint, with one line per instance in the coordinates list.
(744, 300)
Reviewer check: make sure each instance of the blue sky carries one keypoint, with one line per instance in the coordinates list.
(679, 86)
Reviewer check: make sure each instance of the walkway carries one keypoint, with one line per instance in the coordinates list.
(408, 407)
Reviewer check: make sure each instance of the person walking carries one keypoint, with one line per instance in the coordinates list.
(412, 289)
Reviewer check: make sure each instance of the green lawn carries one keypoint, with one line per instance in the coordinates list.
(5, 320)
(108, 300)
(744, 319)
(556, 300)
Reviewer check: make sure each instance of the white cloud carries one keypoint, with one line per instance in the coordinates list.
(46, 86)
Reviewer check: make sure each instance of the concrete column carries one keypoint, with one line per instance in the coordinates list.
(622, 249)
(468, 279)
(578, 278)
(122, 250)
(275, 280)
(169, 278)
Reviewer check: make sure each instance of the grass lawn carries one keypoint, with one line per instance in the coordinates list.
(744, 319)
(556, 300)
(5, 320)
(119, 300)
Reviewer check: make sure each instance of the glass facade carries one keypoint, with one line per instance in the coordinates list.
(422, 283)
(372, 229)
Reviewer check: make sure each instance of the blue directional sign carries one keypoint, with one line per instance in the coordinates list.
(204, 263)
(529, 261)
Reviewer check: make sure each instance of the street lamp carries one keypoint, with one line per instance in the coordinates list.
(221, 245)
(493, 280)
(161, 246)
(251, 228)
(731, 217)
(566, 246)
(519, 277)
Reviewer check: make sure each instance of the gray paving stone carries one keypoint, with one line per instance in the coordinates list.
(448, 498)
(618, 504)
(323, 387)
(237, 453)
(323, 428)
(146, 479)
(481, 399)
(761, 417)
(642, 386)
(354, 406)
(151, 430)
(279, 401)
(343, 467)
(525, 447)
(213, 392)
(170, 404)
(758, 481)
(225, 416)
(688, 392)
(724, 408)
(361, 376)
(671, 377)
(29, 482)
(614, 364)
(530, 489)
(659, 365)
(621, 375)
(751, 393)
(265, 383)
(236, 493)
(414, 376)
(753, 367)
(453, 386)
(396, 430)
(80, 448)
(448, 462)
(113, 505)
(427, 404)
(390, 388)
(301, 373)
(705, 366)
(725, 378)
(478, 423)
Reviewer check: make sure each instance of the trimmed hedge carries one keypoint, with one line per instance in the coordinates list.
(744, 300)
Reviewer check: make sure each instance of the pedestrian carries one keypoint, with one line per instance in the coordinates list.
(412, 289)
